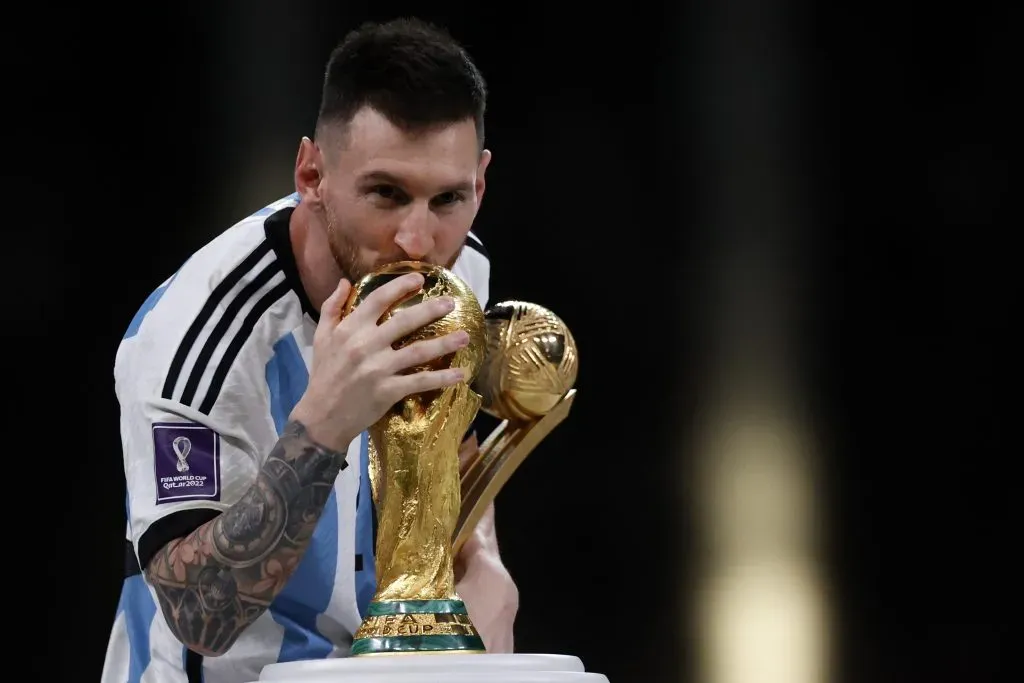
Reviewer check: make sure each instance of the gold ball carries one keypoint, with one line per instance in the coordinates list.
(531, 361)
(437, 281)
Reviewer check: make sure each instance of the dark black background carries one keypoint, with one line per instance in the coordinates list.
(125, 140)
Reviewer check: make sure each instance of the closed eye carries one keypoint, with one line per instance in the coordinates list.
(449, 198)
(388, 195)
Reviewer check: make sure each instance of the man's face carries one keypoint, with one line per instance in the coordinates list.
(389, 195)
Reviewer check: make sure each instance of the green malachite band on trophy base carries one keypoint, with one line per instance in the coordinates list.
(378, 609)
(390, 627)
(369, 646)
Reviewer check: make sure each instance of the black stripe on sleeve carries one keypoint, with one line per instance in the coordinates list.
(131, 563)
(233, 349)
(170, 527)
(202, 361)
(218, 294)
(193, 667)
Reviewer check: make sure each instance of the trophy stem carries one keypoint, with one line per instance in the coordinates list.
(499, 457)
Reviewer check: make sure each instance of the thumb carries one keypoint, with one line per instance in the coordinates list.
(334, 306)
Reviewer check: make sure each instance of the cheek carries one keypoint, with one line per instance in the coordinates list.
(368, 229)
(349, 217)
(452, 235)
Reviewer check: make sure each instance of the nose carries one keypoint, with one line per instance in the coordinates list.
(415, 236)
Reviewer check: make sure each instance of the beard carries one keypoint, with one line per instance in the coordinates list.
(346, 255)
(346, 252)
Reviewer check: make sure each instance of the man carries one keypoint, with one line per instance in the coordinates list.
(245, 398)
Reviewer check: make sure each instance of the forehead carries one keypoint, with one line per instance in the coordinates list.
(372, 144)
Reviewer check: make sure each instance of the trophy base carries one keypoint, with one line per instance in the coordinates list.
(416, 626)
(423, 668)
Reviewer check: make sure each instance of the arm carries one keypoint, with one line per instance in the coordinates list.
(216, 581)
(483, 582)
(219, 579)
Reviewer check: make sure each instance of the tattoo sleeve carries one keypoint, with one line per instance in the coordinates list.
(219, 579)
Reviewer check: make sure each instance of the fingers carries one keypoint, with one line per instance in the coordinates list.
(426, 350)
(408, 320)
(400, 386)
(333, 307)
(381, 299)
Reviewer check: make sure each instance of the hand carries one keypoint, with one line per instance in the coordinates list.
(357, 375)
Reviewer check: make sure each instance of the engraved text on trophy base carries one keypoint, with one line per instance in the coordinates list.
(390, 625)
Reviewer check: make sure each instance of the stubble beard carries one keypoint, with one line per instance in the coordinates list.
(344, 251)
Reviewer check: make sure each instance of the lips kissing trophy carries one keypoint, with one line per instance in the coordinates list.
(521, 361)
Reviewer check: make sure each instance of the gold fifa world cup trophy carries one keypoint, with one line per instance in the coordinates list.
(522, 361)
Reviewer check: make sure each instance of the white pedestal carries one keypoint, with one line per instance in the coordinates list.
(427, 668)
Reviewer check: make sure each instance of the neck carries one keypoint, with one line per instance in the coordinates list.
(317, 268)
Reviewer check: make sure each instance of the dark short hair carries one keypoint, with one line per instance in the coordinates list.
(412, 72)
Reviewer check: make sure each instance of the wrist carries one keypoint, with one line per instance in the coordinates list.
(323, 431)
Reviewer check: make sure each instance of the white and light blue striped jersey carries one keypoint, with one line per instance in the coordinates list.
(206, 376)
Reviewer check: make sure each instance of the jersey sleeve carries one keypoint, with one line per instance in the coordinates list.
(195, 417)
(474, 267)
(182, 469)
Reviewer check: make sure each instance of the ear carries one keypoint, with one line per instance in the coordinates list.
(308, 165)
(481, 171)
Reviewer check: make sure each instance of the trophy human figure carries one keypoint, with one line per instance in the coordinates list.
(414, 475)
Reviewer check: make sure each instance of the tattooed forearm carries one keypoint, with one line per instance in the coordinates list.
(217, 580)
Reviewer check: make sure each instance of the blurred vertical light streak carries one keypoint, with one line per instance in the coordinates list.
(760, 603)
(268, 58)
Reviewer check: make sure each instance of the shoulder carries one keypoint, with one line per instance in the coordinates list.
(232, 299)
(476, 245)
(474, 266)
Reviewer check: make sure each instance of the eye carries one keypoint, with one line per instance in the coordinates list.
(389, 192)
(447, 198)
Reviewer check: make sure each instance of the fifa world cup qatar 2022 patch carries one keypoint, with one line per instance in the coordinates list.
(187, 462)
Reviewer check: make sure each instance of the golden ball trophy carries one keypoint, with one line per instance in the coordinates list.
(522, 364)
(527, 382)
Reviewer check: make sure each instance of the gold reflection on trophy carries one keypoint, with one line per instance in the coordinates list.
(414, 476)
(527, 380)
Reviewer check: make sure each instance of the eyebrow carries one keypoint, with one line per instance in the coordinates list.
(385, 177)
